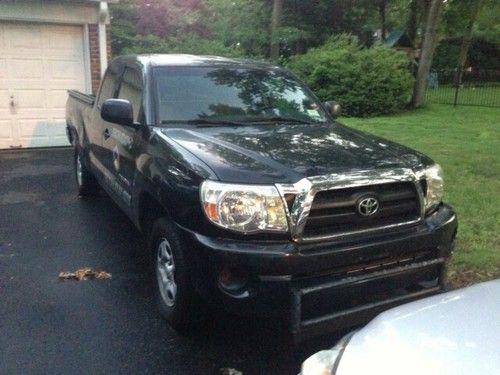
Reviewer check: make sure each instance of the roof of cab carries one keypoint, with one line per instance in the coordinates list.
(193, 60)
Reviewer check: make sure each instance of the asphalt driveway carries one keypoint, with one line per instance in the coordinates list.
(101, 326)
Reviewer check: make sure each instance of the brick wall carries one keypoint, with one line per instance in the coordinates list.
(95, 57)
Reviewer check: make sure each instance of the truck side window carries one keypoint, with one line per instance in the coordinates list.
(131, 90)
(107, 87)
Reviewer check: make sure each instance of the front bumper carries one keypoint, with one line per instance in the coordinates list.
(326, 286)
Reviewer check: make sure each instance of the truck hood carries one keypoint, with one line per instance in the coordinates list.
(287, 153)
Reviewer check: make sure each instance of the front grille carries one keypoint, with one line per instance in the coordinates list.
(350, 294)
(335, 211)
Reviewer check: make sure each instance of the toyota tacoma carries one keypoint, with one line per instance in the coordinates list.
(254, 198)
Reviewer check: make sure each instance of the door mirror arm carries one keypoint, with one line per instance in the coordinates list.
(333, 108)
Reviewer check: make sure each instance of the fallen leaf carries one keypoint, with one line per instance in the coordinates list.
(84, 274)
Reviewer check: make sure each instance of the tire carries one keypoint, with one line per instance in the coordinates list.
(86, 183)
(176, 298)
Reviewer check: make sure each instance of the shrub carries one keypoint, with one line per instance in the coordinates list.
(364, 81)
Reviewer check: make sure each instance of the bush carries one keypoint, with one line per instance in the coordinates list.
(364, 81)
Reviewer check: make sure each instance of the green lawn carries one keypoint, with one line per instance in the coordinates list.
(466, 142)
(483, 96)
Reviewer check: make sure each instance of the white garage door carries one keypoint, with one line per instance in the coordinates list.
(38, 63)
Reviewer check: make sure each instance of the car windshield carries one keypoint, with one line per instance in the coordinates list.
(233, 96)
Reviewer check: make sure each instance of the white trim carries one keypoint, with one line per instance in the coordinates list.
(103, 51)
(49, 12)
(86, 56)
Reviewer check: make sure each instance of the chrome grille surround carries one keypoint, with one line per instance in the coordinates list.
(306, 189)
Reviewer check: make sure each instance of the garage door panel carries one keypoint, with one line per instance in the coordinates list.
(57, 99)
(3, 67)
(23, 36)
(36, 128)
(6, 132)
(3, 44)
(28, 100)
(22, 68)
(64, 69)
(42, 133)
(4, 103)
(63, 41)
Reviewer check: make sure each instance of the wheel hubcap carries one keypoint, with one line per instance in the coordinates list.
(165, 272)
(78, 170)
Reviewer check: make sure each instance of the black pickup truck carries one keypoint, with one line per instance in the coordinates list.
(254, 198)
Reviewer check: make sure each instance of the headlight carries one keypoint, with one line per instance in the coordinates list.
(244, 208)
(320, 363)
(435, 186)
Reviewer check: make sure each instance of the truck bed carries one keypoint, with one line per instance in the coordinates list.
(85, 98)
(79, 108)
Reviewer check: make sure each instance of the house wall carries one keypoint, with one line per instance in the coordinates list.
(95, 55)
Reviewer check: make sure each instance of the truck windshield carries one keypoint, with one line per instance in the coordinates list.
(203, 95)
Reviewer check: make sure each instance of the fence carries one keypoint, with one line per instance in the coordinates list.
(472, 87)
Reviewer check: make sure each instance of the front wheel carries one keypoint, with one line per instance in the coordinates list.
(176, 298)
(86, 183)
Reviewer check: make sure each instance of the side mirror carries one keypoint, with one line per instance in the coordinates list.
(333, 108)
(118, 111)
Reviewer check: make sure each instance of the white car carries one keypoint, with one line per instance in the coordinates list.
(452, 333)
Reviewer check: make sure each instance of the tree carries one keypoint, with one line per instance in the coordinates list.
(429, 43)
(275, 24)
(171, 17)
(241, 24)
(472, 35)
(412, 23)
(382, 5)
(475, 7)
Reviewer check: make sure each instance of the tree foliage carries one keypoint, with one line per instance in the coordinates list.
(139, 28)
(171, 17)
(245, 28)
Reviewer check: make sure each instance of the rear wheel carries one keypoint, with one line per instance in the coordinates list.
(176, 298)
(86, 183)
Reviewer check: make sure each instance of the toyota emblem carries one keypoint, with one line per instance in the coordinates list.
(368, 206)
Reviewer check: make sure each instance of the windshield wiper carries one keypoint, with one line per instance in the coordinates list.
(280, 119)
(203, 122)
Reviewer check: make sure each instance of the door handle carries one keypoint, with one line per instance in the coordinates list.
(12, 104)
(106, 134)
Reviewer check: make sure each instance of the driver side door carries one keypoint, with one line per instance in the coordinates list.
(122, 143)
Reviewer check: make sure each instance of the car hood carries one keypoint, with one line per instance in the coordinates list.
(287, 153)
(452, 333)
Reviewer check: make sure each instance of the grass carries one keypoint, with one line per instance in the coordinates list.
(482, 96)
(466, 142)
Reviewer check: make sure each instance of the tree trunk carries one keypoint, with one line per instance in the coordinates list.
(411, 28)
(381, 11)
(428, 46)
(275, 24)
(467, 38)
